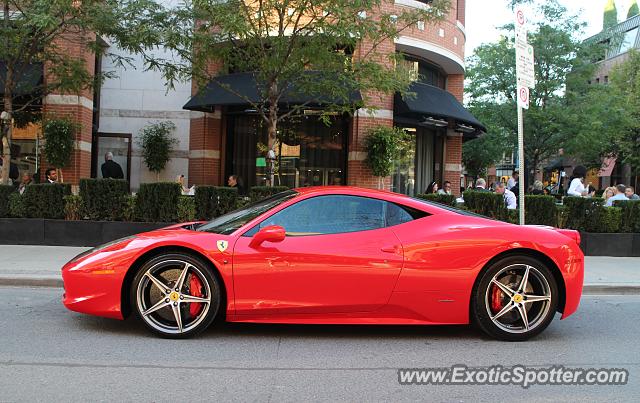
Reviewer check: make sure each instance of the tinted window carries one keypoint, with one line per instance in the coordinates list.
(330, 215)
(228, 223)
(398, 215)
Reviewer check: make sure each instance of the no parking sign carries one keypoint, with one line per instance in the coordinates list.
(523, 97)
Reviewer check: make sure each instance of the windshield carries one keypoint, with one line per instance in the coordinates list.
(228, 223)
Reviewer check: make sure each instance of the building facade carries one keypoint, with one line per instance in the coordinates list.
(219, 138)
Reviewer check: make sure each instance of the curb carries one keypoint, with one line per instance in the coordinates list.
(31, 282)
(53, 282)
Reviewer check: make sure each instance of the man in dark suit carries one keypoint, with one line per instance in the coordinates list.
(481, 185)
(110, 168)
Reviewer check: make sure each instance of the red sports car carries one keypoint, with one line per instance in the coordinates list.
(334, 255)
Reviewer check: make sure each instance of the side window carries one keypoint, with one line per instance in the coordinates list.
(330, 215)
(398, 215)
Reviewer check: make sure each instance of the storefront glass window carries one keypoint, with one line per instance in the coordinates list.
(308, 152)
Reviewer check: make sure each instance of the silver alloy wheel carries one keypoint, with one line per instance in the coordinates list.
(163, 297)
(526, 294)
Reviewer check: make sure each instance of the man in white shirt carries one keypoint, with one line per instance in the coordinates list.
(618, 196)
(512, 181)
(510, 200)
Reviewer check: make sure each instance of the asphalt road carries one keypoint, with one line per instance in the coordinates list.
(50, 354)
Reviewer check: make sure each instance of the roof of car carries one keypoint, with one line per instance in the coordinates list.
(347, 190)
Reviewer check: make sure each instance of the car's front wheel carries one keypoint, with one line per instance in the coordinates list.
(515, 298)
(175, 295)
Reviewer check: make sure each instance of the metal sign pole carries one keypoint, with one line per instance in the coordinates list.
(521, 182)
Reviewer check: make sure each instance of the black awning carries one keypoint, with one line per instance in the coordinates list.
(237, 89)
(433, 102)
(558, 164)
(29, 80)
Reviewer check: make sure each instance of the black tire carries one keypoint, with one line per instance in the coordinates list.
(173, 303)
(490, 300)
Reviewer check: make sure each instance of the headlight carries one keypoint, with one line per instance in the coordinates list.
(113, 245)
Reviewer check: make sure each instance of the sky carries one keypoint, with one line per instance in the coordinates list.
(483, 16)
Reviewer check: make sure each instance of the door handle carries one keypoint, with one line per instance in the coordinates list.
(391, 249)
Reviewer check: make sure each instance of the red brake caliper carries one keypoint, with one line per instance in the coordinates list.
(496, 299)
(195, 289)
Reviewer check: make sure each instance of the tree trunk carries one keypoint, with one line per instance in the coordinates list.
(272, 131)
(7, 126)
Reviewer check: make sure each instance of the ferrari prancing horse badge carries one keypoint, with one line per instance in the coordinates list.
(222, 245)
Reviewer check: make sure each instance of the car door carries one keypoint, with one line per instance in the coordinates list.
(338, 256)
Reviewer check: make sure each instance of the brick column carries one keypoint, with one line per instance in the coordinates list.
(453, 141)
(205, 140)
(78, 107)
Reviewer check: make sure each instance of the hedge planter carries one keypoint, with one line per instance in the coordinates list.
(611, 244)
(36, 231)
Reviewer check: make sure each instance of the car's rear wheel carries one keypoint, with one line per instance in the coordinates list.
(175, 295)
(515, 298)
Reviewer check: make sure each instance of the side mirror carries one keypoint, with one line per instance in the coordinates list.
(272, 233)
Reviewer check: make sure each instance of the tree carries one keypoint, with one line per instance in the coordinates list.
(59, 139)
(157, 141)
(480, 153)
(625, 83)
(385, 145)
(633, 9)
(281, 41)
(32, 33)
(563, 66)
(610, 16)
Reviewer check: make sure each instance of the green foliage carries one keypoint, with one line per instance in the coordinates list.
(384, 145)
(46, 200)
(104, 199)
(625, 83)
(563, 66)
(16, 206)
(283, 41)
(157, 141)
(186, 209)
(158, 202)
(5, 192)
(129, 211)
(630, 220)
(486, 203)
(73, 208)
(481, 153)
(540, 210)
(611, 220)
(258, 193)
(633, 9)
(585, 214)
(214, 201)
(562, 216)
(59, 139)
(610, 16)
(449, 200)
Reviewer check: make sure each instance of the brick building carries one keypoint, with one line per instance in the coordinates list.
(220, 137)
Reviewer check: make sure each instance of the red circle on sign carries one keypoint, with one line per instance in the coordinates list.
(520, 15)
(524, 95)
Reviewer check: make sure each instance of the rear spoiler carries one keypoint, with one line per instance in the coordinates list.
(570, 233)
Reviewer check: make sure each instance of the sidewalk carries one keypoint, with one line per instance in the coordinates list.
(40, 266)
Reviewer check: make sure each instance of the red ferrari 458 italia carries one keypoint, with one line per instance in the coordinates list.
(334, 255)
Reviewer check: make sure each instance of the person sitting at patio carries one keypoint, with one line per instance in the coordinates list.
(631, 194)
(537, 188)
(481, 185)
(432, 188)
(509, 197)
(26, 180)
(576, 187)
(618, 196)
(608, 193)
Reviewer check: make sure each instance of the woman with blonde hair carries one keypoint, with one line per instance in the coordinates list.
(608, 192)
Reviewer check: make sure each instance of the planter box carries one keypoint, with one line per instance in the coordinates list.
(37, 231)
(616, 244)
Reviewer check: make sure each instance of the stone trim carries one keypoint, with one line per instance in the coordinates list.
(375, 113)
(55, 99)
(411, 3)
(215, 154)
(453, 167)
(357, 156)
(431, 47)
(136, 113)
(83, 146)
